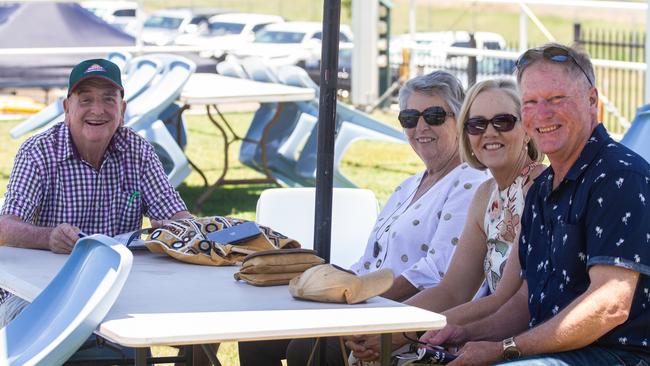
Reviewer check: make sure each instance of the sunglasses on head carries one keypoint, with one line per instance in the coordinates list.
(433, 116)
(500, 122)
(553, 53)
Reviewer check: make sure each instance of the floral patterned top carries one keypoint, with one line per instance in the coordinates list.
(502, 225)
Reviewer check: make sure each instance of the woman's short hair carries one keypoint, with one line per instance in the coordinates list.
(438, 83)
(509, 88)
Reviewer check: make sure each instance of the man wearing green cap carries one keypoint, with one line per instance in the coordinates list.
(87, 174)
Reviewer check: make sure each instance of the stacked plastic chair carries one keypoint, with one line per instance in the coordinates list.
(282, 125)
(145, 116)
(351, 125)
(636, 137)
(291, 143)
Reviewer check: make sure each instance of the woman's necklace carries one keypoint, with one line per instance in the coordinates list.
(384, 228)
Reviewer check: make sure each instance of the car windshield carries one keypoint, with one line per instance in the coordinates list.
(279, 37)
(156, 21)
(223, 28)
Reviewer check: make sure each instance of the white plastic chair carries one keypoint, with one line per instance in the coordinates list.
(70, 308)
(290, 211)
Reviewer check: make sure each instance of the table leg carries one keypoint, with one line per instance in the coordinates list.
(265, 136)
(226, 146)
(141, 356)
(386, 347)
(210, 353)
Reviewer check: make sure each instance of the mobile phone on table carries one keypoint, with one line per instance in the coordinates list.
(235, 234)
(438, 356)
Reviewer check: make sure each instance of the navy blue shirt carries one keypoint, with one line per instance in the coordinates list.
(598, 215)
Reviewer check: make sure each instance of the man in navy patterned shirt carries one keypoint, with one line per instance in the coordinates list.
(88, 173)
(584, 248)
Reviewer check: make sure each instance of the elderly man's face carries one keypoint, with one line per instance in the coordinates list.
(93, 113)
(558, 110)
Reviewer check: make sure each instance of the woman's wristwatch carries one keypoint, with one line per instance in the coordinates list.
(510, 350)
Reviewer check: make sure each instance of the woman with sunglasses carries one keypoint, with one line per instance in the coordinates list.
(417, 231)
(491, 137)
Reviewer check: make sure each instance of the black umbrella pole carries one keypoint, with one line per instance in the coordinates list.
(326, 137)
(326, 127)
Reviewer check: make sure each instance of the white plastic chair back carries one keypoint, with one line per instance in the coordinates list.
(162, 93)
(69, 309)
(174, 161)
(121, 59)
(290, 211)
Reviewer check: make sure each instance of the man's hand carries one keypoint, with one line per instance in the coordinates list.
(62, 238)
(364, 347)
(449, 336)
(178, 215)
(158, 223)
(479, 353)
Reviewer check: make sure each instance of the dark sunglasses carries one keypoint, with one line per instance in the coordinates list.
(555, 54)
(500, 122)
(433, 116)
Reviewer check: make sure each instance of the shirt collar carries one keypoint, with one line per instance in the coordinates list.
(599, 137)
(67, 150)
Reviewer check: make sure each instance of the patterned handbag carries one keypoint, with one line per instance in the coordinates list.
(186, 240)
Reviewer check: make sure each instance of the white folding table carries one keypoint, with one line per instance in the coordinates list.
(211, 90)
(167, 302)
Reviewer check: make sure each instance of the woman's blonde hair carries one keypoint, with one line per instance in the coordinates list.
(507, 86)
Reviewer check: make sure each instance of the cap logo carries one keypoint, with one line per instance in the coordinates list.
(94, 68)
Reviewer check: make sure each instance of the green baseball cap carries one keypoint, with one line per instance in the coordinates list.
(95, 68)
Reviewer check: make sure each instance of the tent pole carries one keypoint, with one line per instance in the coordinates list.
(326, 127)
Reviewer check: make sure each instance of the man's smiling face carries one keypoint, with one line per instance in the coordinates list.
(93, 112)
(558, 111)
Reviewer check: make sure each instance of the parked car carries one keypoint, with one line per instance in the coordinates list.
(290, 43)
(162, 27)
(344, 68)
(227, 31)
(121, 14)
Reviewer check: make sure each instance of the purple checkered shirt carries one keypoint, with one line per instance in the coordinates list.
(50, 184)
